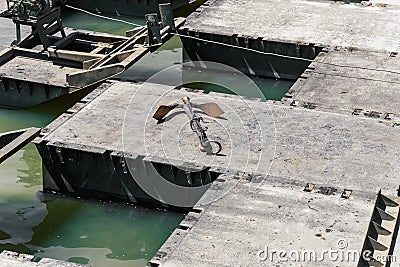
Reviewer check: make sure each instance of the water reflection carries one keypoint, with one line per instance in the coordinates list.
(270, 89)
(166, 56)
(31, 174)
(106, 234)
(17, 222)
(103, 234)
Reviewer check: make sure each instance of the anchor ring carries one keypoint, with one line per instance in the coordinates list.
(217, 143)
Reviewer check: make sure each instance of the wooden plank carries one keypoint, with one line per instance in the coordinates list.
(134, 57)
(19, 140)
(72, 55)
(85, 78)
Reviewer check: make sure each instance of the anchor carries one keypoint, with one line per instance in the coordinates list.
(211, 109)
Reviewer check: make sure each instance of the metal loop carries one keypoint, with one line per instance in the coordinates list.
(217, 143)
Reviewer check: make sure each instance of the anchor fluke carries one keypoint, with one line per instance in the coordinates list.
(163, 110)
(211, 109)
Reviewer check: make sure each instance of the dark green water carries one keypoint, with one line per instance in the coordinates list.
(80, 20)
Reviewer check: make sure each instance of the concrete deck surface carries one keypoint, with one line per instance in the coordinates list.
(279, 216)
(285, 146)
(365, 26)
(341, 81)
(36, 70)
(295, 143)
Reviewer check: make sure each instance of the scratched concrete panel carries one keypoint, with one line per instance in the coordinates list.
(341, 81)
(366, 26)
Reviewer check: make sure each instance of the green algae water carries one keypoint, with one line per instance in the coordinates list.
(80, 20)
(98, 233)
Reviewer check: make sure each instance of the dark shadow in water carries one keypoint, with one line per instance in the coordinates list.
(58, 105)
(38, 116)
(59, 211)
(17, 221)
(80, 260)
(4, 235)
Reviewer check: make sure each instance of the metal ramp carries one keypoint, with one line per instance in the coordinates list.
(11, 142)
(381, 235)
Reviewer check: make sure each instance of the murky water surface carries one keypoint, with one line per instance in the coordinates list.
(80, 20)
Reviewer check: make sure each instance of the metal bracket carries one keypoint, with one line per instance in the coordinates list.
(167, 17)
(309, 187)
(153, 30)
